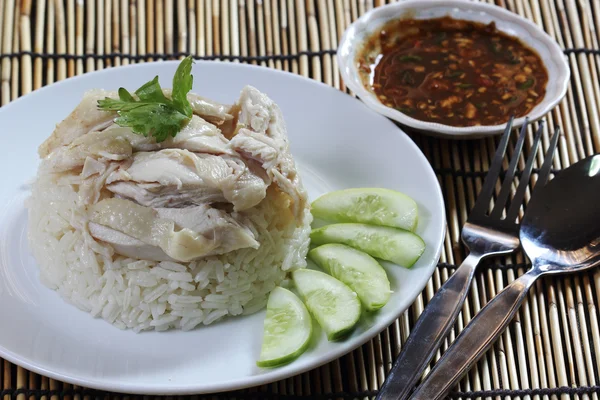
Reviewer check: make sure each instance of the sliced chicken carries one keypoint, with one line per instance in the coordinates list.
(181, 172)
(85, 118)
(97, 172)
(181, 234)
(201, 137)
(157, 195)
(118, 143)
(210, 110)
(112, 144)
(126, 245)
(264, 140)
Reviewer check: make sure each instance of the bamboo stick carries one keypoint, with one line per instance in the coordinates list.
(243, 28)
(215, 26)
(313, 35)
(235, 28)
(152, 26)
(289, 19)
(15, 69)
(169, 34)
(260, 22)
(71, 36)
(225, 27)
(252, 45)
(116, 36)
(302, 36)
(25, 32)
(141, 28)
(7, 47)
(182, 27)
(133, 31)
(38, 45)
(100, 27)
(192, 26)
(123, 12)
(108, 40)
(268, 30)
(277, 47)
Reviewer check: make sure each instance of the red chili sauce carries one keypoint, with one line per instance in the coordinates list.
(454, 72)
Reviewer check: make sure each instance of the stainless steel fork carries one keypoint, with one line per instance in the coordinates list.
(484, 235)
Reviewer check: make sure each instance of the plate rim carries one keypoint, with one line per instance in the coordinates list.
(271, 375)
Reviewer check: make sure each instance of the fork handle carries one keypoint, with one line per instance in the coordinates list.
(431, 328)
(475, 339)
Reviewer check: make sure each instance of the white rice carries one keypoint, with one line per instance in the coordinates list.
(145, 295)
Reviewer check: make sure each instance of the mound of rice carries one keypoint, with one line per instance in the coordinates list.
(142, 294)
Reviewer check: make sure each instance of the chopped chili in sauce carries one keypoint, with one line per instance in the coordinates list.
(454, 72)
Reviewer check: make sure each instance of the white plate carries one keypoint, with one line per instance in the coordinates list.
(506, 21)
(337, 143)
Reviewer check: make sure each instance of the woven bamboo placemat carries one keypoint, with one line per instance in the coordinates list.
(551, 350)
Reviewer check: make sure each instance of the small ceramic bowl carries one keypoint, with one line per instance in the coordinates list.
(512, 24)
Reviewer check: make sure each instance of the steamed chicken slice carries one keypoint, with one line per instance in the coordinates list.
(179, 172)
(85, 118)
(156, 195)
(118, 143)
(199, 136)
(167, 234)
(264, 140)
(210, 110)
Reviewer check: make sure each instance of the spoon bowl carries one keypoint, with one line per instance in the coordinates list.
(561, 228)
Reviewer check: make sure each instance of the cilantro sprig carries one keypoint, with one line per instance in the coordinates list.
(152, 113)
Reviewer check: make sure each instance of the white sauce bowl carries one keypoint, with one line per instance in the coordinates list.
(529, 33)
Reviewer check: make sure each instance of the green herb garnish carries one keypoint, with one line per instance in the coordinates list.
(526, 85)
(455, 74)
(512, 58)
(464, 85)
(152, 113)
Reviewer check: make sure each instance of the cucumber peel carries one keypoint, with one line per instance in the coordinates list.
(374, 206)
(391, 244)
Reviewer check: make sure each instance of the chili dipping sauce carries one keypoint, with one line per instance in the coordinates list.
(453, 72)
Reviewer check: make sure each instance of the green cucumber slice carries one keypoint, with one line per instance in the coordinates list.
(287, 329)
(333, 304)
(361, 272)
(392, 244)
(368, 205)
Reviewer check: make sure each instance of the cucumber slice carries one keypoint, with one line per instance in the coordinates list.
(287, 329)
(392, 244)
(370, 206)
(361, 272)
(335, 307)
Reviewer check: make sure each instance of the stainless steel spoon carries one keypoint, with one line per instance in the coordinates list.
(560, 233)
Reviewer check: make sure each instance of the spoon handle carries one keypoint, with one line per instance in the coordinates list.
(475, 339)
(431, 328)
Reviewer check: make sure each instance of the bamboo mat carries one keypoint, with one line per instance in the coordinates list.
(551, 350)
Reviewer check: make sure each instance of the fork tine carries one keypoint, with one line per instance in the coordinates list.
(517, 199)
(510, 174)
(547, 165)
(484, 197)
